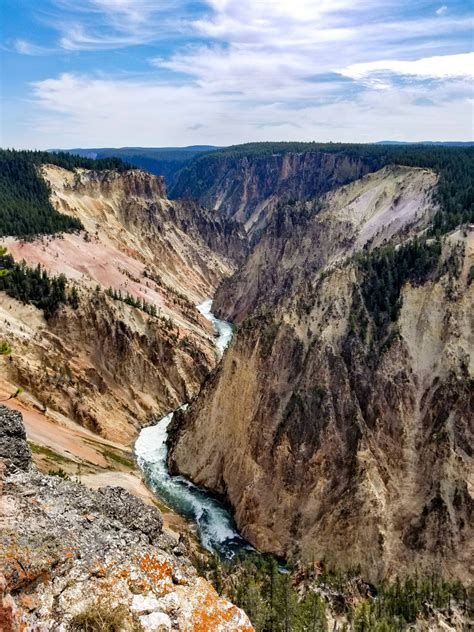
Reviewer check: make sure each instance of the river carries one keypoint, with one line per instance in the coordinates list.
(214, 521)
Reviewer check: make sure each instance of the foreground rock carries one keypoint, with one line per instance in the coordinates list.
(71, 557)
(13, 445)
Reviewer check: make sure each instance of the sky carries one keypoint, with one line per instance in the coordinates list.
(112, 73)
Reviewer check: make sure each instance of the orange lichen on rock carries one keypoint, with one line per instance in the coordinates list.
(215, 613)
(159, 572)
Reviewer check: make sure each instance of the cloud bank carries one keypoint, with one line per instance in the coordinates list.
(229, 71)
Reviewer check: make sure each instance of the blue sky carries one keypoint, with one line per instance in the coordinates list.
(161, 72)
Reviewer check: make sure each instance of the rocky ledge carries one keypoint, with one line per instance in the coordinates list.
(75, 559)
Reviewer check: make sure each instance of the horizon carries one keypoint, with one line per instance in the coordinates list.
(129, 73)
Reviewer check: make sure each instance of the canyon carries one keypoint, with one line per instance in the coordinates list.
(330, 439)
(337, 426)
(139, 244)
(81, 382)
(249, 189)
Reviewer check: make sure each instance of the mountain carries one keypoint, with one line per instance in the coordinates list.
(338, 424)
(161, 161)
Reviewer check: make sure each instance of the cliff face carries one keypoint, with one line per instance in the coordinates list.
(75, 559)
(329, 441)
(193, 247)
(249, 189)
(303, 238)
(107, 364)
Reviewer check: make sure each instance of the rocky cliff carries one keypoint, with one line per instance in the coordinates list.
(304, 237)
(76, 559)
(106, 363)
(249, 188)
(333, 432)
(192, 245)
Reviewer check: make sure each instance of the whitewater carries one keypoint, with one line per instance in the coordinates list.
(215, 524)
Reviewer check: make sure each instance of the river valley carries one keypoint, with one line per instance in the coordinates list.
(215, 524)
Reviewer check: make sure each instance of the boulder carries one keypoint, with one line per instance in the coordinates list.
(13, 444)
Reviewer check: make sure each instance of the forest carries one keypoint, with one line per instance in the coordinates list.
(309, 598)
(25, 207)
(386, 270)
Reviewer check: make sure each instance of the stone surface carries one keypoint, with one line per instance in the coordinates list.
(144, 603)
(156, 622)
(13, 444)
(67, 551)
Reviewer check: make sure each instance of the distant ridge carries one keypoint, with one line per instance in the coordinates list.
(161, 161)
(445, 143)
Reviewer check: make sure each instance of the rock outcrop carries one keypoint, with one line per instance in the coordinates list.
(13, 445)
(329, 439)
(71, 557)
(249, 188)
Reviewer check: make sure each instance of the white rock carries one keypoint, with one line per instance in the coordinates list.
(156, 622)
(144, 603)
(169, 603)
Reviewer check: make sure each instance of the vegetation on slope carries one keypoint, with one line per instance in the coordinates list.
(25, 207)
(385, 272)
(301, 599)
(148, 308)
(34, 285)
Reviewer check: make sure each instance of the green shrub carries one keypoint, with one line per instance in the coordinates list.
(61, 473)
(5, 348)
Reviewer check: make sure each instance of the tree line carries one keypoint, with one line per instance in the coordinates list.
(34, 286)
(25, 207)
(300, 599)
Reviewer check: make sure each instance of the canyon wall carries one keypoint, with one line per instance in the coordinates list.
(105, 363)
(332, 437)
(250, 188)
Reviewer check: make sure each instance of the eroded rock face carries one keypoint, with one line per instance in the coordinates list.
(302, 238)
(250, 188)
(106, 364)
(68, 553)
(327, 444)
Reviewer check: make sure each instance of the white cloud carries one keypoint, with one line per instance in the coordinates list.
(302, 69)
(442, 10)
(109, 24)
(105, 112)
(439, 67)
(27, 48)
